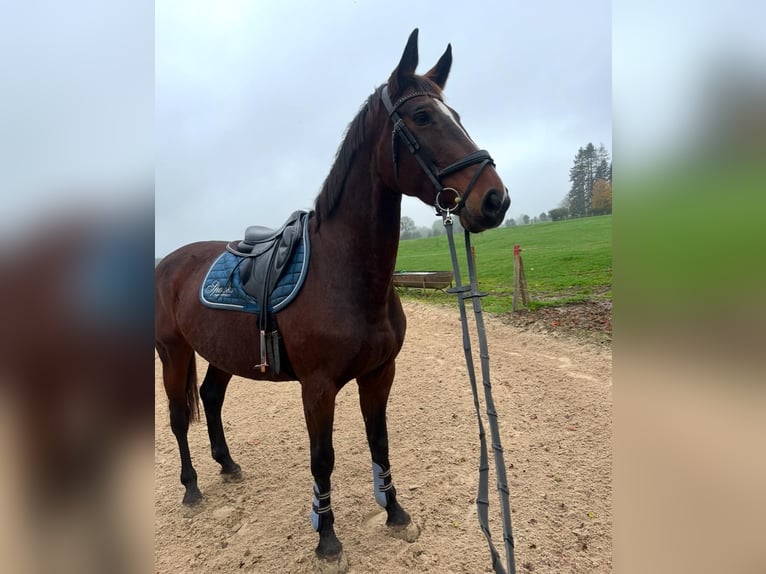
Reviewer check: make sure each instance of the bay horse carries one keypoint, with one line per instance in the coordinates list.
(347, 320)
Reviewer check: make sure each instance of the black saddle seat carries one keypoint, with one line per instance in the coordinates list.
(256, 234)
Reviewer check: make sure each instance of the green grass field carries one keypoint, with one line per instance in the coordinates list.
(564, 262)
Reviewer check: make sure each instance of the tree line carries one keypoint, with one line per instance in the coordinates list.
(408, 229)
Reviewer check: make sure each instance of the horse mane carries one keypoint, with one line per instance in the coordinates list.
(353, 139)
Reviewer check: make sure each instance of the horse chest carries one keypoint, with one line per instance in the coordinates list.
(364, 338)
(345, 342)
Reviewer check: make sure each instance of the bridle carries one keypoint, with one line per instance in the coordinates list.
(480, 157)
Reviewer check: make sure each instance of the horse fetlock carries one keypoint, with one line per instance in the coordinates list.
(383, 486)
(220, 454)
(228, 466)
(322, 517)
(189, 477)
(396, 515)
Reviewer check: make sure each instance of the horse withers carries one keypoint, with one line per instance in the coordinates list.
(404, 140)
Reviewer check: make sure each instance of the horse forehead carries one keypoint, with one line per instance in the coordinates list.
(448, 113)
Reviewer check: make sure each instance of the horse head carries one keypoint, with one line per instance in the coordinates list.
(428, 154)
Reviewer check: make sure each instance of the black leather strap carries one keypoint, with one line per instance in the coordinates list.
(470, 159)
(400, 129)
(469, 189)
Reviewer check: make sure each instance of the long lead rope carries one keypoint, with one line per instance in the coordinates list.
(464, 292)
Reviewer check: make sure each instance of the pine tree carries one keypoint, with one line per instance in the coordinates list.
(590, 165)
(576, 199)
(604, 166)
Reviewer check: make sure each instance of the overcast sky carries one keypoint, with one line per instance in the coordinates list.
(252, 98)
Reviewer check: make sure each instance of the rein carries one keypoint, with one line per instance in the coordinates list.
(463, 292)
(482, 498)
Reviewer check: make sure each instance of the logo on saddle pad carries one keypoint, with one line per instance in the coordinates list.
(267, 265)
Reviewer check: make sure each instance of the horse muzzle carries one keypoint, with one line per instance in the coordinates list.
(494, 205)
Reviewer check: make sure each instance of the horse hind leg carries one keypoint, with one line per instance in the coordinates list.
(213, 392)
(374, 390)
(179, 374)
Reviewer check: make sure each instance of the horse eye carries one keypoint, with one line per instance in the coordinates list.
(422, 118)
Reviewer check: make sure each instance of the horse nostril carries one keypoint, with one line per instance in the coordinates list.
(492, 204)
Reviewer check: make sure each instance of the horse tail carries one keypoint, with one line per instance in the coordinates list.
(192, 392)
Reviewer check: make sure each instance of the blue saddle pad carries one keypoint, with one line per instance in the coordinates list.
(222, 285)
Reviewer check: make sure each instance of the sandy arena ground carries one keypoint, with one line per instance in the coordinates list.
(554, 402)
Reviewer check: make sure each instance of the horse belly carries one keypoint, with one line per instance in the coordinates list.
(229, 340)
(233, 346)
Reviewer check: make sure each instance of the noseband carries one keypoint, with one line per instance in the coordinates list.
(480, 157)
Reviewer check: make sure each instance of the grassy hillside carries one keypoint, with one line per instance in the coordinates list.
(564, 261)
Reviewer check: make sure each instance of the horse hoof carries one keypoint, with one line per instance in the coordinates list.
(234, 476)
(409, 532)
(334, 565)
(190, 510)
(192, 496)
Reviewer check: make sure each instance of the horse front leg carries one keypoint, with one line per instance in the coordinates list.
(319, 410)
(374, 389)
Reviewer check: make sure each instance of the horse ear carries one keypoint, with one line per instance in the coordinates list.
(438, 74)
(406, 68)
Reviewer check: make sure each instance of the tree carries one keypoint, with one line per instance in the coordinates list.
(603, 165)
(602, 197)
(406, 228)
(590, 165)
(525, 218)
(510, 222)
(543, 216)
(558, 213)
(576, 194)
(437, 228)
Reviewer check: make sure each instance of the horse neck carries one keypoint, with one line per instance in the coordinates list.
(364, 229)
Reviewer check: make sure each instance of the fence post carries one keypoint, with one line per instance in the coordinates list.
(519, 280)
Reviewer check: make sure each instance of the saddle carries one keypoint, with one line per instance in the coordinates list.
(265, 255)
